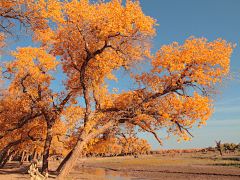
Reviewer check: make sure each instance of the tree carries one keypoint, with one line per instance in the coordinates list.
(26, 15)
(31, 16)
(220, 147)
(106, 36)
(95, 40)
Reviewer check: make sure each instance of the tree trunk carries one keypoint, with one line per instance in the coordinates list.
(8, 147)
(63, 162)
(6, 159)
(22, 158)
(83, 139)
(35, 156)
(73, 156)
(26, 157)
(47, 147)
(3, 157)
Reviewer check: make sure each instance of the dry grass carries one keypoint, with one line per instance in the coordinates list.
(214, 159)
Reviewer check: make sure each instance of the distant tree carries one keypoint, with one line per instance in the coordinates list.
(220, 147)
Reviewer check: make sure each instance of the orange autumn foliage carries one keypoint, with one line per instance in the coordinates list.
(86, 43)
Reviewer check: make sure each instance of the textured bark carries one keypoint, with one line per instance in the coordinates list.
(63, 162)
(73, 157)
(83, 139)
(47, 147)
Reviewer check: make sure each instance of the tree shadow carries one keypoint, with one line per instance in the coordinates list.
(14, 168)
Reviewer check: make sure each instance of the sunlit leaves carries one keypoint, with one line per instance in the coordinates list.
(196, 61)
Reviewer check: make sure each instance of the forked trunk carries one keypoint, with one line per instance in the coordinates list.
(47, 147)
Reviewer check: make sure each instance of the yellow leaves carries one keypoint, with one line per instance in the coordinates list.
(2, 42)
(178, 140)
(89, 27)
(196, 60)
(178, 113)
(35, 64)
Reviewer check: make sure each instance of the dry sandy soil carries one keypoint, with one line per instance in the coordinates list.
(177, 172)
(13, 172)
(179, 167)
(158, 168)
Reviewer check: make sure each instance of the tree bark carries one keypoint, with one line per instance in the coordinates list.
(47, 147)
(63, 162)
(2, 157)
(6, 159)
(73, 157)
(83, 139)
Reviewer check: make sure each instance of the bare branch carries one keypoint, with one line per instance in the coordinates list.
(148, 130)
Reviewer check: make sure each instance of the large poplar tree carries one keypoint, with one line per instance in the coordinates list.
(94, 40)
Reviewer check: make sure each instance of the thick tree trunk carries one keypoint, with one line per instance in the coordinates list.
(47, 147)
(83, 139)
(73, 157)
(63, 162)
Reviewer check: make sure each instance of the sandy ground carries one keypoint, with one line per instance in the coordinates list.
(12, 171)
(177, 172)
(196, 172)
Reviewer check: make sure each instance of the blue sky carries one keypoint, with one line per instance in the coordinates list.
(177, 21)
(213, 19)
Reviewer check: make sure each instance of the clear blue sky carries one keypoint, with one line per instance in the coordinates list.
(212, 19)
